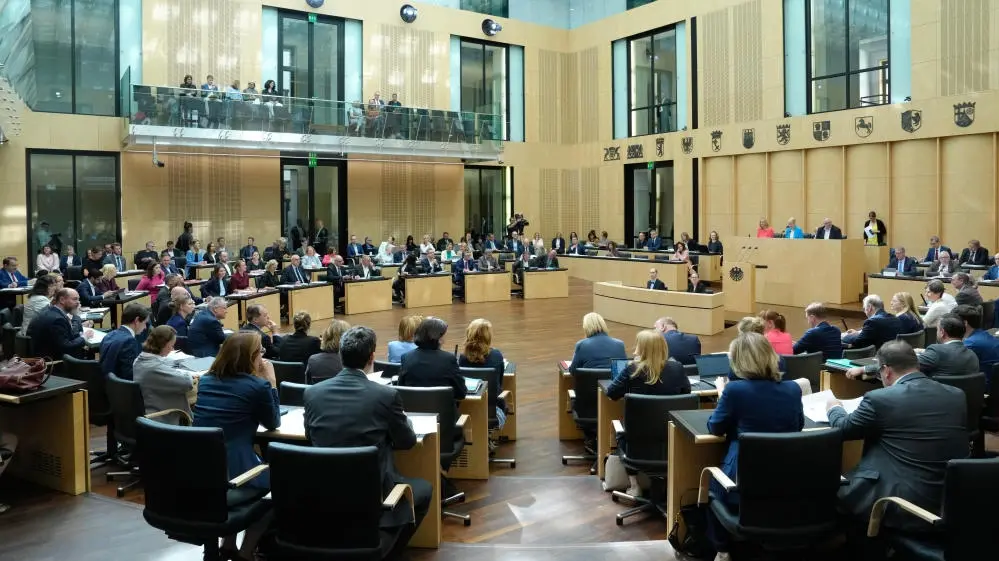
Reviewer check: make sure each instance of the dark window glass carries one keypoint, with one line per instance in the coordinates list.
(310, 65)
(309, 195)
(636, 3)
(484, 86)
(486, 195)
(653, 83)
(498, 8)
(848, 54)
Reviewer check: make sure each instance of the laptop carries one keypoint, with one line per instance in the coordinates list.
(710, 367)
(863, 361)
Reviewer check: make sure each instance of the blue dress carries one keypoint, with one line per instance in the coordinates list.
(238, 406)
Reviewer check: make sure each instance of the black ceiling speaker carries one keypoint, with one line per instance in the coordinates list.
(490, 27)
(408, 13)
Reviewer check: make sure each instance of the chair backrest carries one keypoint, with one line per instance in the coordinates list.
(988, 314)
(991, 409)
(74, 273)
(127, 405)
(24, 347)
(866, 352)
(806, 366)
(803, 496)
(645, 418)
(916, 340)
(489, 376)
(89, 371)
(8, 339)
(929, 336)
(181, 343)
(17, 315)
(184, 472)
(586, 390)
(7, 316)
(290, 393)
(973, 386)
(289, 372)
(322, 511)
(968, 484)
(439, 400)
(388, 369)
(690, 370)
(133, 283)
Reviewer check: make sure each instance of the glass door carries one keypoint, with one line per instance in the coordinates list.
(313, 199)
(648, 200)
(310, 56)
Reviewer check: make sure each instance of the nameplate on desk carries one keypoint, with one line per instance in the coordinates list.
(133, 293)
(889, 274)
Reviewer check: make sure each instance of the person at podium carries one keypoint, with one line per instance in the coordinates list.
(654, 282)
(901, 264)
(793, 232)
(828, 231)
(875, 230)
(764, 230)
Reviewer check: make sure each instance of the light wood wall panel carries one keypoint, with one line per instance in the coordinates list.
(968, 190)
(589, 94)
(713, 62)
(866, 186)
(548, 86)
(568, 98)
(747, 61)
(787, 189)
(914, 207)
(750, 195)
(589, 203)
(227, 196)
(410, 61)
(823, 188)
(718, 196)
(731, 63)
(966, 49)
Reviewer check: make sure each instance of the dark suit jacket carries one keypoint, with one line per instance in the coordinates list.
(117, 260)
(53, 335)
(934, 269)
(90, 295)
(270, 349)
(834, 233)
(214, 287)
(492, 244)
(910, 430)
(877, 330)
(66, 262)
(931, 254)
(146, 255)
(269, 280)
(348, 410)
(323, 365)
(908, 267)
(968, 295)
(578, 249)
(982, 257)
(548, 263)
(247, 252)
(335, 274)
(597, 351)
(657, 284)
(460, 267)
(683, 347)
(516, 247)
(429, 368)
(425, 263)
(372, 271)
(948, 359)
(369, 249)
(672, 381)
(355, 250)
(297, 347)
(560, 246)
(654, 244)
(119, 349)
(701, 288)
(288, 275)
(171, 269)
(204, 335)
(822, 338)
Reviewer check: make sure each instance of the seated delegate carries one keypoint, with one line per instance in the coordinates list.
(775, 330)
(879, 327)
(933, 253)
(682, 347)
(429, 366)
(654, 282)
(407, 330)
(901, 264)
(598, 348)
(478, 352)
(327, 363)
(651, 372)
(820, 336)
(947, 357)
(205, 334)
(904, 308)
(793, 232)
(939, 302)
(298, 346)
(163, 385)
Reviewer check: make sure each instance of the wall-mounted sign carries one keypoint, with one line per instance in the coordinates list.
(821, 130)
(912, 120)
(864, 126)
(716, 138)
(660, 147)
(635, 151)
(964, 114)
(612, 153)
(783, 134)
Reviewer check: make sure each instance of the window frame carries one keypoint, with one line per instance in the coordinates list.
(341, 25)
(506, 77)
(847, 74)
(651, 35)
(506, 173)
(462, 5)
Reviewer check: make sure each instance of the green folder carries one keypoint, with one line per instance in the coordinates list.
(843, 363)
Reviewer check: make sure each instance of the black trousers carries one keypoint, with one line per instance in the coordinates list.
(422, 494)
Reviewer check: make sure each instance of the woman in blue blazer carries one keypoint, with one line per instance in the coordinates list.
(792, 230)
(756, 401)
(194, 256)
(598, 349)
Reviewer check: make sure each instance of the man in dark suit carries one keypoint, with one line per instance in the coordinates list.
(641, 242)
(10, 277)
(828, 231)
(90, 295)
(366, 269)
(336, 272)
(369, 248)
(655, 243)
(491, 243)
(354, 249)
(879, 327)
(549, 261)
(430, 263)
(56, 330)
(119, 349)
(967, 290)
(348, 410)
(902, 264)
(116, 258)
(167, 265)
(442, 243)
(980, 341)
(148, 253)
(820, 336)
(943, 267)
(487, 262)
(515, 245)
(949, 356)
(975, 254)
(654, 282)
(293, 273)
(462, 266)
(933, 253)
(683, 347)
(911, 428)
(258, 320)
(248, 250)
(205, 335)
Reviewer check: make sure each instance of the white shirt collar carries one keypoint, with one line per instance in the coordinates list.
(129, 330)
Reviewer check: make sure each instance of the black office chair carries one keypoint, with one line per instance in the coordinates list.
(321, 517)
(188, 493)
(916, 340)
(388, 369)
(125, 399)
(642, 443)
(452, 436)
(794, 511)
(806, 366)
(290, 393)
(181, 343)
(17, 315)
(690, 370)
(23, 346)
(98, 406)
(289, 372)
(8, 338)
(973, 386)
(853, 354)
(133, 283)
(964, 533)
(988, 314)
(583, 399)
(929, 336)
(990, 412)
(495, 397)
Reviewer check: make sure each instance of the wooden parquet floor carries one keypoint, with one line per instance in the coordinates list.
(541, 509)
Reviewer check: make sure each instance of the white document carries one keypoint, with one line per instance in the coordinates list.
(815, 405)
(95, 337)
(178, 355)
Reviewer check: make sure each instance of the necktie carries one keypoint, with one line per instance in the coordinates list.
(901, 265)
(936, 255)
(221, 288)
(973, 255)
(298, 274)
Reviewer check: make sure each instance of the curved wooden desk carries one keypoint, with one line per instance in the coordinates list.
(703, 314)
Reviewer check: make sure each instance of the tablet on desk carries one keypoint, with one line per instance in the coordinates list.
(710, 367)
(618, 366)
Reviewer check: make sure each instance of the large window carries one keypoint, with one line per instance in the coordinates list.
(73, 199)
(310, 194)
(652, 96)
(487, 198)
(498, 8)
(848, 54)
(648, 200)
(310, 66)
(484, 70)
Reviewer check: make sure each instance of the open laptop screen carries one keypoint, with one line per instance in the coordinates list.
(618, 366)
(712, 366)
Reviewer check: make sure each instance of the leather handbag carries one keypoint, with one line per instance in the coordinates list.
(693, 542)
(19, 375)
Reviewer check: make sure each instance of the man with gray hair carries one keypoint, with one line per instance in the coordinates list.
(879, 327)
(350, 410)
(901, 264)
(911, 428)
(967, 289)
(947, 357)
(683, 347)
(205, 334)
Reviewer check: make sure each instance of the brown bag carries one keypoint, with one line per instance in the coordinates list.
(23, 374)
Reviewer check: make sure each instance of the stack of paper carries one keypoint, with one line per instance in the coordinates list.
(815, 405)
(96, 336)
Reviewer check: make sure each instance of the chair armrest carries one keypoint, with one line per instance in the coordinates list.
(184, 417)
(248, 475)
(706, 475)
(572, 398)
(878, 512)
(398, 492)
(618, 427)
(504, 395)
(463, 424)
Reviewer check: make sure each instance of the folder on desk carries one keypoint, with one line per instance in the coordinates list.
(472, 385)
(843, 363)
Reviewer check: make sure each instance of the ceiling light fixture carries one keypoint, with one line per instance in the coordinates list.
(490, 27)
(408, 13)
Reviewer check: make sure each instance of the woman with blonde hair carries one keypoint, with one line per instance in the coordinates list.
(598, 349)
(775, 330)
(326, 363)
(904, 307)
(651, 372)
(107, 283)
(270, 278)
(478, 352)
(407, 328)
(750, 324)
(756, 401)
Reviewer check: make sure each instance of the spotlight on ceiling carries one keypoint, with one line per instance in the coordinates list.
(408, 13)
(490, 27)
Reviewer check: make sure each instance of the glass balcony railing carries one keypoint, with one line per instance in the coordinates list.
(241, 111)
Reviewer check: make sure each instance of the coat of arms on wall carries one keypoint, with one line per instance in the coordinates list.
(635, 151)
(612, 153)
(716, 138)
(783, 134)
(660, 147)
(748, 138)
(964, 114)
(864, 126)
(821, 130)
(687, 144)
(912, 120)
